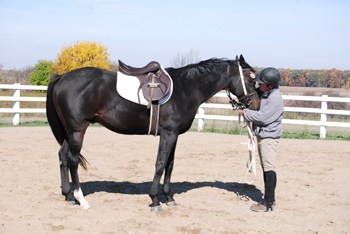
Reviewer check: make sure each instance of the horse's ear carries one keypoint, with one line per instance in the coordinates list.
(236, 57)
(241, 59)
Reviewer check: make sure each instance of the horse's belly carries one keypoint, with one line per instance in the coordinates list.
(125, 122)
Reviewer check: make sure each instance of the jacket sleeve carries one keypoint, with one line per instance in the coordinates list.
(268, 113)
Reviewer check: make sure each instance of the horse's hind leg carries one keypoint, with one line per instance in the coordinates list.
(63, 160)
(75, 142)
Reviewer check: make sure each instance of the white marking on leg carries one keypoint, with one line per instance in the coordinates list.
(78, 194)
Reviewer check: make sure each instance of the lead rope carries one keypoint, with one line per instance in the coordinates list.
(250, 165)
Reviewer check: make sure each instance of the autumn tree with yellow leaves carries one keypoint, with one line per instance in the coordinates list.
(82, 54)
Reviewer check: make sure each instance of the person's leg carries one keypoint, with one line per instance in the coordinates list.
(270, 185)
(267, 148)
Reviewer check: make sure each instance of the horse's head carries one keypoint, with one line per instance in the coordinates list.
(246, 94)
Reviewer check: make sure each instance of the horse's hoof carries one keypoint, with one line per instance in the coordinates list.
(171, 203)
(71, 203)
(85, 206)
(156, 208)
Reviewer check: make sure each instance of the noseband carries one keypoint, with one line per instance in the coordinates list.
(245, 101)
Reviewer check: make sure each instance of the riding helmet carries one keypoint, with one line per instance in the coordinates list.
(269, 76)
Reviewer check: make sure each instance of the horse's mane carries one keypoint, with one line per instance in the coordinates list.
(202, 68)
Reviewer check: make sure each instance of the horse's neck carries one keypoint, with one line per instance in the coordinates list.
(208, 86)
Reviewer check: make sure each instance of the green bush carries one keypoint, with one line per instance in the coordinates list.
(41, 74)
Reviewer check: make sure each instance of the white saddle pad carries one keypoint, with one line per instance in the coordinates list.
(127, 87)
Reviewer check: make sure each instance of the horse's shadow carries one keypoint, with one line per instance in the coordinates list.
(242, 190)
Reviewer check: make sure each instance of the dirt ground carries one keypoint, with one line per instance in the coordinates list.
(209, 182)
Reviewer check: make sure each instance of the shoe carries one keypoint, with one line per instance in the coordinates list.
(262, 207)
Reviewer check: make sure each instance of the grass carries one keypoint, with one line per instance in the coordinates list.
(26, 124)
(314, 136)
(289, 131)
(290, 135)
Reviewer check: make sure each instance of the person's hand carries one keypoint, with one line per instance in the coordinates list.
(241, 112)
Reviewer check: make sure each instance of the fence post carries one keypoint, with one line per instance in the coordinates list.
(323, 128)
(16, 104)
(200, 120)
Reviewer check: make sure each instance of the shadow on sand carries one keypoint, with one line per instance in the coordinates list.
(243, 190)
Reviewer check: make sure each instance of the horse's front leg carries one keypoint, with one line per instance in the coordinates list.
(167, 143)
(168, 170)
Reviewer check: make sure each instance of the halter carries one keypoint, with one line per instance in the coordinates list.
(246, 101)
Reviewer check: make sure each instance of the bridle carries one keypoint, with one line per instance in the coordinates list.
(245, 101)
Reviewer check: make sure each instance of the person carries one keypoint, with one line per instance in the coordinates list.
(267, 125)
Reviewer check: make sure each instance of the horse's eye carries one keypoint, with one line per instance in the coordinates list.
(252, 75)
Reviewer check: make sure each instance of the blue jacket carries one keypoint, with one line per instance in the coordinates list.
(267, 121)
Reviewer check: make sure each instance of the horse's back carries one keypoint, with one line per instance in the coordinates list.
(88, 79)
(86, 75)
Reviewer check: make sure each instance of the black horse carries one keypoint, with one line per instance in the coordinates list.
(88, 95)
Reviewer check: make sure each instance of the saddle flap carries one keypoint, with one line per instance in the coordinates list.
(157, 85)
(154, 81)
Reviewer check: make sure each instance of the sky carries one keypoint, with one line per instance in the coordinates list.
(296, 34)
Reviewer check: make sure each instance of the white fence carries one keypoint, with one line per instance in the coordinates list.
(16, 99)
(323, 111)
(201, 116)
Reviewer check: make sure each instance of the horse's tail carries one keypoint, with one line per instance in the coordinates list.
(57, 128)
(56, 125)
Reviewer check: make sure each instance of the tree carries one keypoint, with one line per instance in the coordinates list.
(182, 59)
(83, 54)
(2, 80)
(41, 74)
(286, 80)
(347, 83)
(336, 77)
(346, 79)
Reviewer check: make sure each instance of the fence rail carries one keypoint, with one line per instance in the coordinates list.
(201, 116)
(323, 111)
(17, 99)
